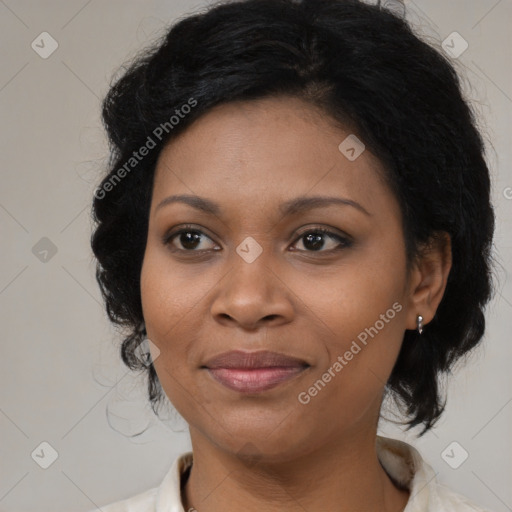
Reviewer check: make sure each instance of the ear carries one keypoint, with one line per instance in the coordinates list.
(428, 279)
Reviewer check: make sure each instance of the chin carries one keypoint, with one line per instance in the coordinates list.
(266, 439)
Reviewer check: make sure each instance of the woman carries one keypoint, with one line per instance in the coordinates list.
(297, 218)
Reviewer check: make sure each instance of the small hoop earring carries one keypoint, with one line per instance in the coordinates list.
(419, 323)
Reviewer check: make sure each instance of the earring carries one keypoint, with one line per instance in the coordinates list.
(419, 322)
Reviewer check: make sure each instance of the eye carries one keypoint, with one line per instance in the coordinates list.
(314, 240)
(189, 238)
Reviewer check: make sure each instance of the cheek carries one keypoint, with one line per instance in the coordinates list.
(356, 355)
(173, 295)
(168, 291)
(165, 304)
(361, 321)
(167, 301)
(353, 295)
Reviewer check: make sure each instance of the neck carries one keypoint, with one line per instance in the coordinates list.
(344, 475)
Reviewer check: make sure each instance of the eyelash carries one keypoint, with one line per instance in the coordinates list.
(344, 242)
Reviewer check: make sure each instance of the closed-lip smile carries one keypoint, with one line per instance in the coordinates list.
(254, 372)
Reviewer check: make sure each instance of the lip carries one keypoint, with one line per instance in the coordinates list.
(254, 372)
(250, 360)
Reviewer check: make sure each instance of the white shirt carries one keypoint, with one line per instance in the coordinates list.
(401, 461)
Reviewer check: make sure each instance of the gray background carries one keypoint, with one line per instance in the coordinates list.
(59, 367)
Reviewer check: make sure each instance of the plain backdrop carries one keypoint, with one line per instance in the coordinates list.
(59, 365)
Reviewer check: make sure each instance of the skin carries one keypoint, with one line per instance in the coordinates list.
(268, 451)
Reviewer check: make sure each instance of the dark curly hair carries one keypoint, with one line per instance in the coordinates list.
(365, 68)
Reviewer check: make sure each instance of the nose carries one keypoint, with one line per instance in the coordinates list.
(252, 295)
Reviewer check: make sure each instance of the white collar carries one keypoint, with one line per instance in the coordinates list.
(401, 461)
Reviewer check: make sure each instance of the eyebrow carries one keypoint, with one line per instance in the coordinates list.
(291, 207)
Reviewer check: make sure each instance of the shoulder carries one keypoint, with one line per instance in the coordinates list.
(143, 502)
(451, 501)
(164, 498)
(408, 469)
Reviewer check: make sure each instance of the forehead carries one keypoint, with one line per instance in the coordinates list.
(265, 152)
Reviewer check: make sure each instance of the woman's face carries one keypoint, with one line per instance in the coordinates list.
(249, 277)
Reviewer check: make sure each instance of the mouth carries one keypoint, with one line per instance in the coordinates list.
(254, 372)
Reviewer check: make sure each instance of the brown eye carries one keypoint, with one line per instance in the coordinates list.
(187, 239)
(190, 239)
(314, 240)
